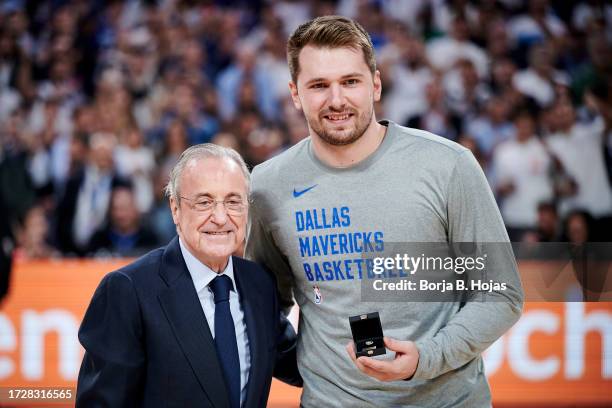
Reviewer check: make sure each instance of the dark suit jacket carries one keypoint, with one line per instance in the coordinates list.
(148, 343)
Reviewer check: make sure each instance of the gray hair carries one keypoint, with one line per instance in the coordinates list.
(198, 152)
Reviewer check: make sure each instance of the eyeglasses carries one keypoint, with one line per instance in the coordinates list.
(233, 206)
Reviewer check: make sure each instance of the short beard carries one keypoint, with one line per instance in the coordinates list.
(361, 125)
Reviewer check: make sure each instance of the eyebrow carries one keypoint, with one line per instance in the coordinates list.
(351, 75)
(208, 195)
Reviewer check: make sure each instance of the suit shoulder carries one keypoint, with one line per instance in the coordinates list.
(256, 271)
(142, 265)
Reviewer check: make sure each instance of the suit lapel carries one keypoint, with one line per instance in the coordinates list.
(184, 312)
(254, 324)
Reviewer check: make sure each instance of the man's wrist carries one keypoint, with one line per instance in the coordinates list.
(415, 368)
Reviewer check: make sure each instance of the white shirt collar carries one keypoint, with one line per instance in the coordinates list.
(201, 274)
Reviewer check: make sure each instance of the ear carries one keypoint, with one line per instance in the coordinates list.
(294, 95)
(377, 86)
(174, 208)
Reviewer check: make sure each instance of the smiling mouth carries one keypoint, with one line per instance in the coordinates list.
(338, 117)
(217, 233)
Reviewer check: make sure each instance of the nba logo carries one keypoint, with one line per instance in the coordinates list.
(317, 294)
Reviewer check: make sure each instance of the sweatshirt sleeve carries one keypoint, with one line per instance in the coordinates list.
(473, 217)
(261, 248)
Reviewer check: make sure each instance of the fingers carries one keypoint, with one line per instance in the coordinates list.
(398, 346)
(403, 366)
(350, 349)
(376, 365)
(366, 368)
(361, 361)
(381, 370)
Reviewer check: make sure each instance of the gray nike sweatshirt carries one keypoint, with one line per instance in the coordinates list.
(311, 225)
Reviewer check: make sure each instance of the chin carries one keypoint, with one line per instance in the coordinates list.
(219, 251)
(340, 138)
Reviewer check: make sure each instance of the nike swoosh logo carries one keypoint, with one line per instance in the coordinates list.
(296, 194)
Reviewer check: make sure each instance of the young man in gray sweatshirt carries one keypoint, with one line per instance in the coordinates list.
(338, 196)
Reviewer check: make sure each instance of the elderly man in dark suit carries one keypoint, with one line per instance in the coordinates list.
(189, 325)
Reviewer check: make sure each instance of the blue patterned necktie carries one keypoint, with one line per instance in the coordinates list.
(225, 338)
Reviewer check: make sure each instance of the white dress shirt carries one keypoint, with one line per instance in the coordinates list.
(202, 275)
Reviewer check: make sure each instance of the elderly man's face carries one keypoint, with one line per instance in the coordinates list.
(212, 236)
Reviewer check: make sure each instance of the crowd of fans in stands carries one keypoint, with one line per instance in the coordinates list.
(99, 98)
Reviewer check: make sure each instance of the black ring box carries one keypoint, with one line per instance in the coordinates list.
(367, 335)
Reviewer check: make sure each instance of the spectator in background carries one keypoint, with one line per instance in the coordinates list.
(159, 217)
(445, 11)
(84, 206)
(136, 162)
(16, 187)
(248, 121)
(498, 44)
(84, 119)
(186, 107)
(272, 61)
(406, 76)
(579, 149)
(62, 83)
(538, 25)
(592, 14)
(263, 143)
(16, 191)
(577, 227)
(113, 103)
(33, 237)
(160, 100)
(231, 80)
(540, 80)
(437, 118)
(226, 139)
(123, 234)
(521, 169)
(179, 72)
(444, 52)
(14, 77)
(466, 94)
(492, 127)
(597, 69)
(175, 142)
(84, 124)
(193, 64)
(137, 59)
(547, 228)
(599, 99)
(501, 85)
(49, 142)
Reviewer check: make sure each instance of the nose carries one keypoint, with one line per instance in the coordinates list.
(219, 214)
(336, 97)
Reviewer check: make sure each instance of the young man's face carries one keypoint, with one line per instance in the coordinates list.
(336, 91)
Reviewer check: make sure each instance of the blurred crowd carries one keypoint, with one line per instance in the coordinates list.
(98, 99)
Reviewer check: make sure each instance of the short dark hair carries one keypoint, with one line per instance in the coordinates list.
(330, 32)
